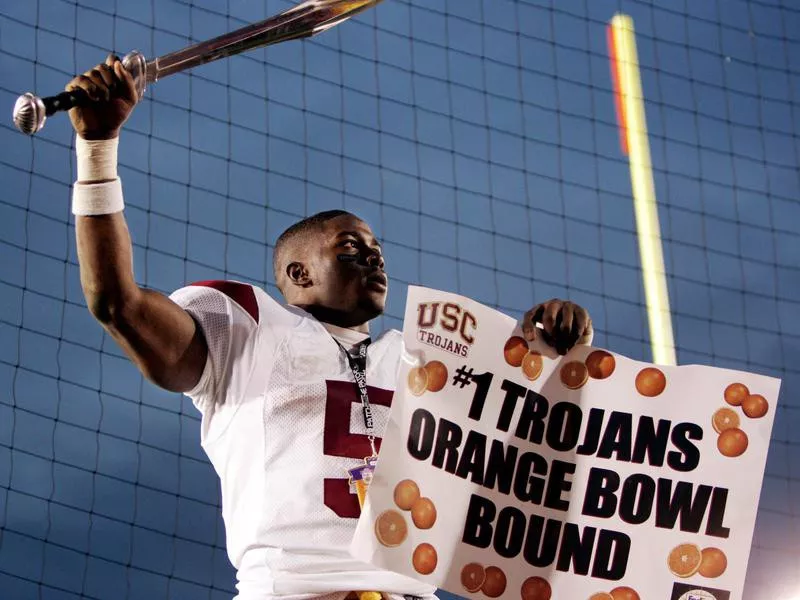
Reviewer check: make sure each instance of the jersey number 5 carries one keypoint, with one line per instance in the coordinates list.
(338, 441)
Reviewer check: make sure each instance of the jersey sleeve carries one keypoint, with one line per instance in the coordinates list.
(228, 314)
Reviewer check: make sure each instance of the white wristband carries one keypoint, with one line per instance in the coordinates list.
(97, 159)
(98, 190)
(91, 199)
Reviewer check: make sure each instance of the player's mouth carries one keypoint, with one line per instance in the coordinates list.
(378, 281)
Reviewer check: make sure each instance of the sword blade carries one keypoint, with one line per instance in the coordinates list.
(304, 20)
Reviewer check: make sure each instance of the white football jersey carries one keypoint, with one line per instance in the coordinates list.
(282, 424)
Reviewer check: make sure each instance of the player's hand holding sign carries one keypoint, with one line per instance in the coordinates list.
(563, 323)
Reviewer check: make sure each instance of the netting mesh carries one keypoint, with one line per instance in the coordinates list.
(479, 140)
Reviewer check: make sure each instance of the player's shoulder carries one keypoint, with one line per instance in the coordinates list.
(390, 343)
(243, 295)
(249, 299)
(392, 336)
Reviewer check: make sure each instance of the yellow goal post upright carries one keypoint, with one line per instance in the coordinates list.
(636, 145)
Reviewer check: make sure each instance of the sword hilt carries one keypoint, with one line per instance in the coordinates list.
(300, 21)
(31, 112)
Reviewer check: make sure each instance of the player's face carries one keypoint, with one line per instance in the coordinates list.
(351, 269)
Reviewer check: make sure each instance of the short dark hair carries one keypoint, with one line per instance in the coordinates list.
(300, 229)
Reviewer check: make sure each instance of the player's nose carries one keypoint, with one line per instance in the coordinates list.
(375, 260)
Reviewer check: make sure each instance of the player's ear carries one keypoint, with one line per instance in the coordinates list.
(298, 275)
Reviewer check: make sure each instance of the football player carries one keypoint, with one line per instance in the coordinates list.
(275, 383)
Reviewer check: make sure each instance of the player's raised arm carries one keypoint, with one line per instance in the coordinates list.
(159, 336)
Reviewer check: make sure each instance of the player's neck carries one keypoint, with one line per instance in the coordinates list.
(336, 318)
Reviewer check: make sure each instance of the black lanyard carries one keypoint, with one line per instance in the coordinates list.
(358, 364)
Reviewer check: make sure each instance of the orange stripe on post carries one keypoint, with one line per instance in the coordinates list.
(619, 105)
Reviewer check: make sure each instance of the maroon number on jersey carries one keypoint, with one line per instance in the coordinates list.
(338, 441)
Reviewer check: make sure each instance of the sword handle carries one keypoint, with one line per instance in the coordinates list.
(302, 20)
(31, 112)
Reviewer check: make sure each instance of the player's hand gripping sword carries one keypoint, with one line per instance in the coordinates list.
(304, 20)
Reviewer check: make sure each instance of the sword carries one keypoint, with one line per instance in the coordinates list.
(304, 20)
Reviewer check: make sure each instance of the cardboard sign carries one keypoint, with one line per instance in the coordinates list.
(507, 471)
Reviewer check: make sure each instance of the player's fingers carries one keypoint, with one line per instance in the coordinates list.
(565, 333)
(581, 320)
(111, 59)
(567, 314)
(529, 321)
(550, 315)
(583, 323)
(551, 325)
(107, 74)
(86, 85)
(128, 87)
(96, 78)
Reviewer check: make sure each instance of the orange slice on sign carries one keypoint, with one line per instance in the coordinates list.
(574, 374)
(684, 560)
(472, 576)
(724, 418)
(532, 365)
(417, 381)
(390, 528)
